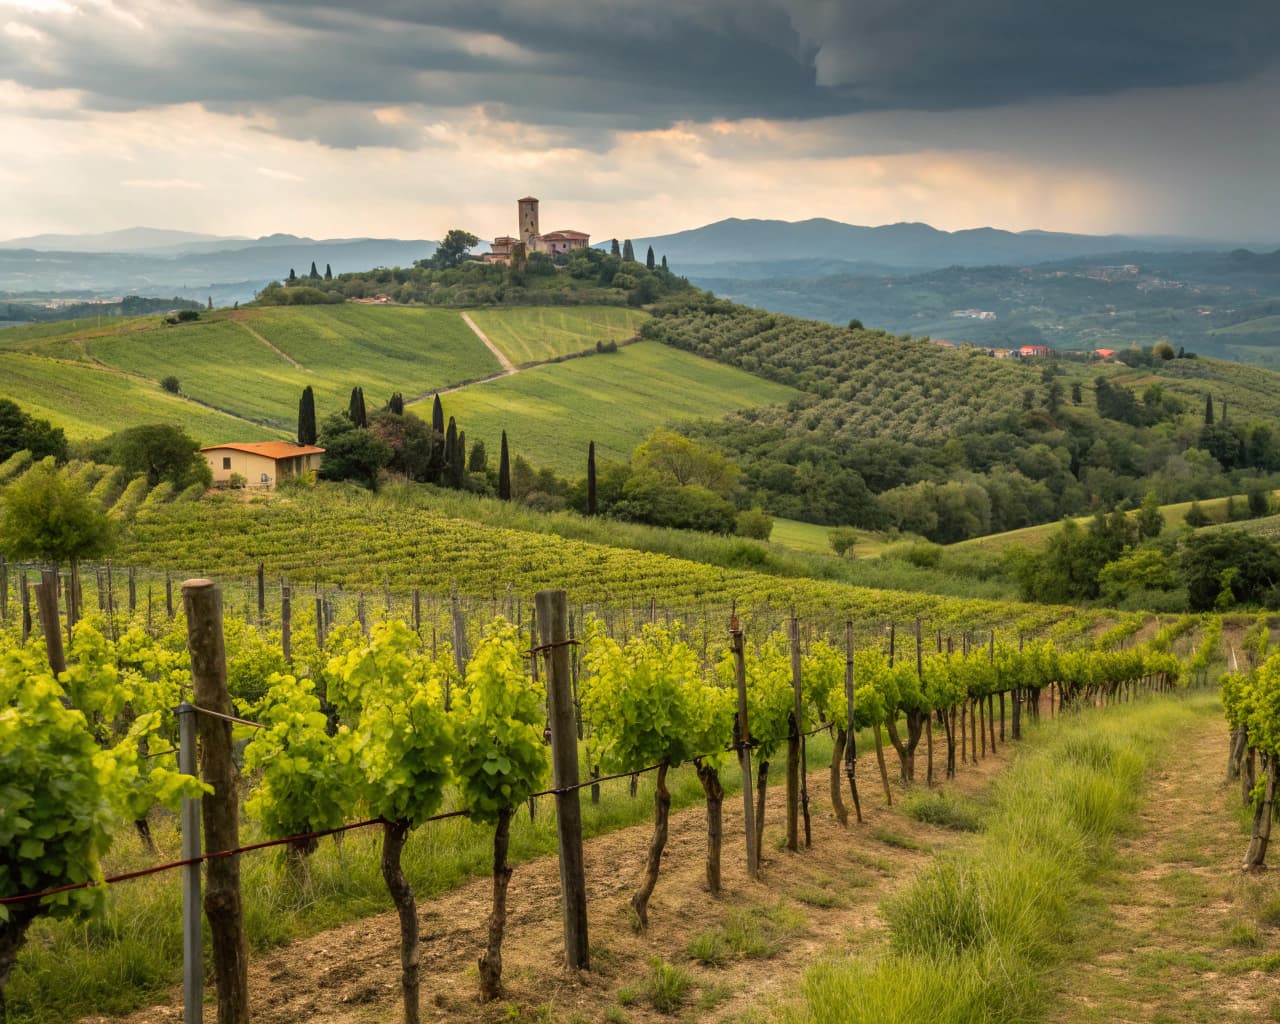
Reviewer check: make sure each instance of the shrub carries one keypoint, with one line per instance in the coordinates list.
(170, 384)
(755, 523)
(238, 481)
(842, 539)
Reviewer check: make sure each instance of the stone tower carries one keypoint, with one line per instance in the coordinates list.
(529, 223)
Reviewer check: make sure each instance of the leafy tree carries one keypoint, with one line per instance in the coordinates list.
(477, 461)
(352, 453)
(856, 325)
(1150, 521)
(648, 259)
(160, 450)
(410, 439)
(1196, 517)
(1233, 564)
(1077, 394)
(842, 539)
(307, 417)
(684, 461)
(453, 248)
(628, 253)
(504, 471)
(21, 432)
(186, 316)
(46, 518)
(356, 410)
(1259, 502)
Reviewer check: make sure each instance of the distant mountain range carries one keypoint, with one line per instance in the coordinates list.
(894, 247)
(164, 262)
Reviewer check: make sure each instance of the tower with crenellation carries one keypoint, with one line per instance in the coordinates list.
(529, 233)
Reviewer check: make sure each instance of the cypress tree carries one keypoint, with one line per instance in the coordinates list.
(315, 274)
(307, 417)
(591, 479)
(1224, 410)
(437, 416)
(628, 253)
(292, 276)
(462, 459)
(328, 272)
(435, 467)
(664, 261)
(396, 405)
(648, 260)
(614, 250)
(504, 471)
(1208, 410)
(355, 409)
(452, 458)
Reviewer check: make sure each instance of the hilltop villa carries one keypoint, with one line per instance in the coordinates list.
(261, 463)
(553, 243)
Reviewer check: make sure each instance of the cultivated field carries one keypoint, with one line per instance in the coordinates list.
(532, 334)
(551, 413)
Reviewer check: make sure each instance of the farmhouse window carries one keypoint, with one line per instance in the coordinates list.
(226, 462)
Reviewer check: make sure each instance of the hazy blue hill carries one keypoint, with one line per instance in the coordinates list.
(904, 246)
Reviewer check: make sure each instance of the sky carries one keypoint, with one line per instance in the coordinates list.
(404, 118)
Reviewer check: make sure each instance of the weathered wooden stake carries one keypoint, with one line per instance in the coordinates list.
(793, 742)
(553, 618)
(26, 606)
(50, 622)
(192, 937)
(262, 594)
(168, 596)
(742, 739)
(286, 622)
(202, 601)
(851, 741)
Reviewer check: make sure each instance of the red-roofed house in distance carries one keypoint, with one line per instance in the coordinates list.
(1105, 353)
(261, 463)
(1031, 351)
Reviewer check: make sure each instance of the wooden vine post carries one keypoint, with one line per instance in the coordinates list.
(553, 616)
(851, 732)
(928, 717)
(793, 745)
(742, 737)
(286, 622)
(202, 601)
(50, 623)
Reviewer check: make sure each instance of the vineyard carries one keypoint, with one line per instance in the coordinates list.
(361, 543)
(324, 707)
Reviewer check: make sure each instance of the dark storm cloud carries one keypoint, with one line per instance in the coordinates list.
(592, 66)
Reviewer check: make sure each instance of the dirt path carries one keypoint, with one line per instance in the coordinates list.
(508, 367)
(1187, 938)
(238, 318)
(815, 903)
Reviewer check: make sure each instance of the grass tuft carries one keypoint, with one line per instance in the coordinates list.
(667, 986)
(946, 810)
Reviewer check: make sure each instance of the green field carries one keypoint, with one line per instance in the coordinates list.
(235, 385)
(530, 334)
(551, 413)
(809, 537)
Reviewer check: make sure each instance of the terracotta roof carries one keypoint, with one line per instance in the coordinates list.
(561, 235)
(269, 449)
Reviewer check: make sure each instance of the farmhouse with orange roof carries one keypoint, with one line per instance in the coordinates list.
(261, 463)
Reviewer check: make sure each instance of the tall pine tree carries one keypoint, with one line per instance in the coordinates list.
(307, 417)
(648, 260)
(591, 479)
(504, 471)
(355, 409)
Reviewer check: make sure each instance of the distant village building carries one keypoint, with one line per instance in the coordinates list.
(1032, 351)
(553, 243)
(1105, 353)
(973, 314)
(261, 463)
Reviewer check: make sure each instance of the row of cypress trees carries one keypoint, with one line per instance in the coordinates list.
(451, 458)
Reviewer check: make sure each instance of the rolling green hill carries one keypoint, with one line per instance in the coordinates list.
(552, 412)
(240, 372)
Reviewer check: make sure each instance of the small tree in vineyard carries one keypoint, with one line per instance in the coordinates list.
(402, 746)
(637, 699)
(500, 759)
